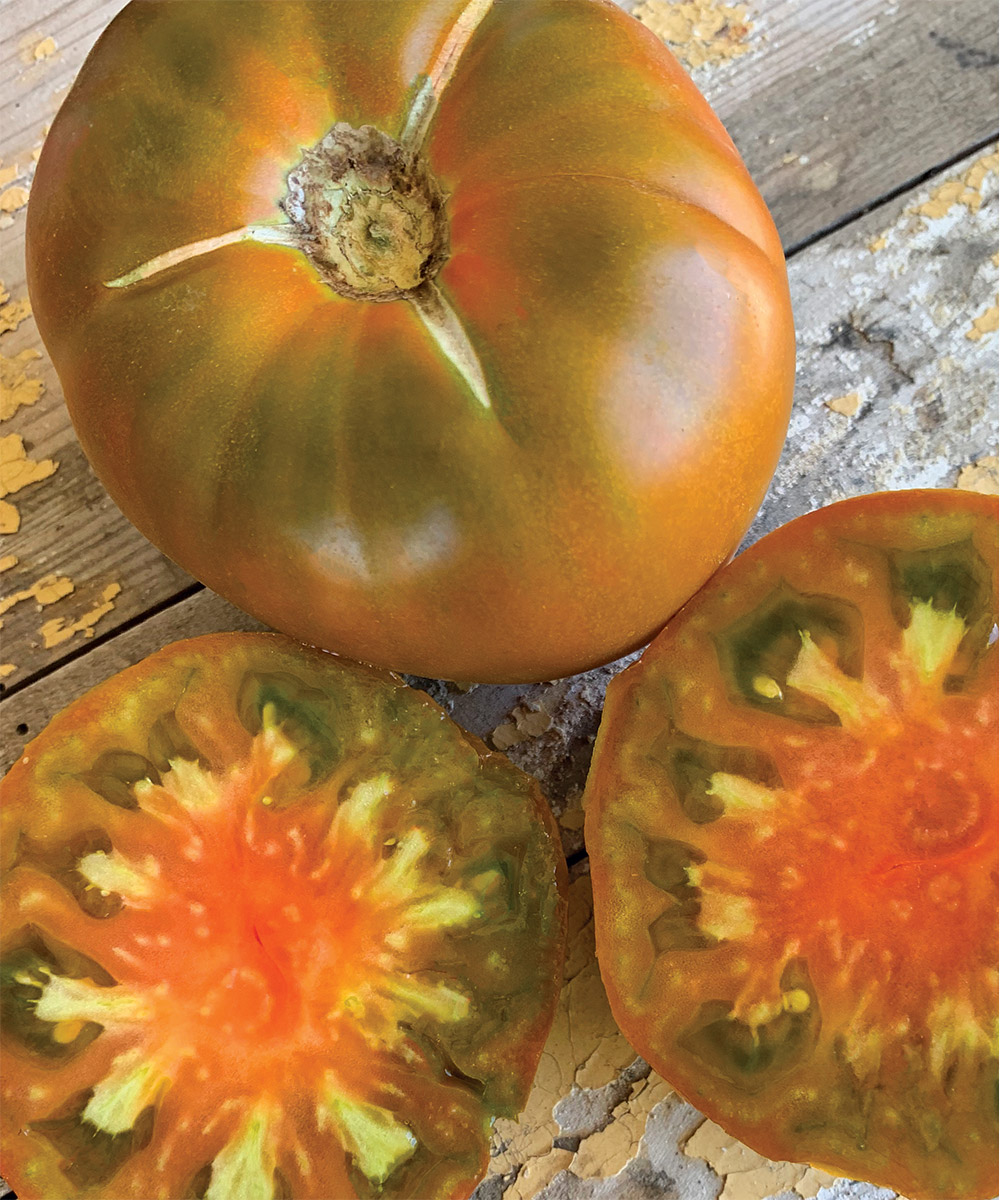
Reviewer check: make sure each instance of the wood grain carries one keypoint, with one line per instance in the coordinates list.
(833, 106)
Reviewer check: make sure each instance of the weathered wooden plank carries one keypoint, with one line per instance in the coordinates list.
(834, 106)
(829, 104)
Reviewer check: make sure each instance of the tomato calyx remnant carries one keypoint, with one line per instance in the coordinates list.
(370, 213)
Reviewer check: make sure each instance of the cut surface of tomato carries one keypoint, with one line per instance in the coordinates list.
(792, 824)
(273, 926)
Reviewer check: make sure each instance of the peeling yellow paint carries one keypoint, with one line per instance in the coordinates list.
(585, 1048)
(13, 198)
(605, 1153)
(525, 723)
(10, 518)
(8, 175)
(34, 48)
(748, 1175)
(847, 405)
(965, 189)
(44, 49)
(17, 470)
(986, 322)
(981, 476)
(7, 669)
(879, 243)
(16, 389)
(538, 1173)
(46, 590)
(699, 32)
(59, 630)
(12, 312)
(8, 561)
(572, 819)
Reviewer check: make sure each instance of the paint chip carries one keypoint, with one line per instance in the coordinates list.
(966, 189)
(17, 389)
(7, 561)
(572, 819)
(986, 322)
(699, 32)
(847, 405)
(605, 1152)
(524, 723)
(44, 49)
(34, 48)
(10, 518)
(17, 470)
(12, 312)
(981, 476)
(60, 630)
(46, 590)
(748, 1175)
(7, 669)
(13, 198)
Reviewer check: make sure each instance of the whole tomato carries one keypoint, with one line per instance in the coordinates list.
(450, 335)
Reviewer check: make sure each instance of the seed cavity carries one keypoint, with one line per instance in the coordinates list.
(758, 652)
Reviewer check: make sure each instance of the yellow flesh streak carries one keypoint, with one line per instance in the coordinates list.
(189, 785)
(356, 815)
(374, 1138)
(435, 1000)
(931, 639)
(819, 677)
(114, 873)
(125, 1091)
(244, 1168)
(80, 1000)
(742, 795)
(727, 917)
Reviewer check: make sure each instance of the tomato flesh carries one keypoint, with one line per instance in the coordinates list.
(262, 913)
(792, 823)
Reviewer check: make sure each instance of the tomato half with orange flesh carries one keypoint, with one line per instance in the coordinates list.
(451, 335)
(792, 824)
(273, 926)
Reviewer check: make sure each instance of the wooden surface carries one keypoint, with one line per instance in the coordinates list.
(870, 128)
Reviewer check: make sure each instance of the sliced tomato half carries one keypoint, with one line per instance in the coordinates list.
(792, 824)
(273, 927)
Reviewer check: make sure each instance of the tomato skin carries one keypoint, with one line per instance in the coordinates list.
(795, 870)
(262, 903)
(317, 460)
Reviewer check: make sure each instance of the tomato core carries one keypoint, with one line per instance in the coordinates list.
(370, 212)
